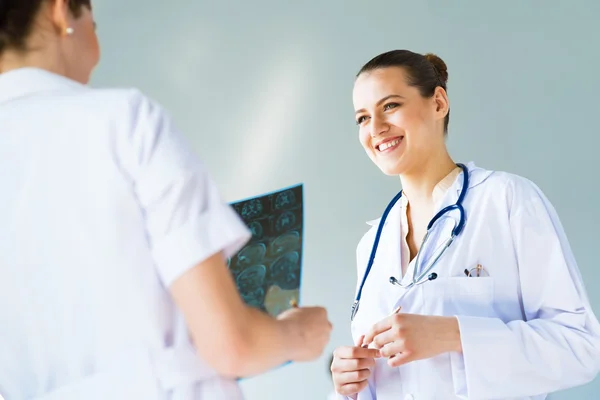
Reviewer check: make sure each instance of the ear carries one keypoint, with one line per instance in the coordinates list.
(60, 16)
(442, 104)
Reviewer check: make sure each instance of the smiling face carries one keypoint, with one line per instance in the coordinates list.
(399, 129)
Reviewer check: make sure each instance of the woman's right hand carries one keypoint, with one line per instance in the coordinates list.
(312, 329)
(351, 368)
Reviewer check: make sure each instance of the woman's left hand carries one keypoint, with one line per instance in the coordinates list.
(409, 337)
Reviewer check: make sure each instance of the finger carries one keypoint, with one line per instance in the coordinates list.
(343, 365)
(353, 376)
(392, 349)
(352, 388)
(356, 352)
(380, 327)
(400, 359)
(359, 342)
(386, 337)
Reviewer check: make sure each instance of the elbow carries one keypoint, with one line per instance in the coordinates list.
(234, 359)
(593, 364)
(588, 360)
(589, 371)
(594, 361)
(229, 354)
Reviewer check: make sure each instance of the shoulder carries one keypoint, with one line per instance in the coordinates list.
(38, 89)
(131, 115)
(512, 184)
(497, 179)
(89, 102)
(128, 103)
(518, 191)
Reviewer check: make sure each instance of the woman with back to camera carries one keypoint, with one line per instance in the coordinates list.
(467, 286)
(113, 238)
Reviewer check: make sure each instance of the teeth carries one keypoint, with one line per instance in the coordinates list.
(387, 145)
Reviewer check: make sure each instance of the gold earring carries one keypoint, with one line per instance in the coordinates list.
(69, 31)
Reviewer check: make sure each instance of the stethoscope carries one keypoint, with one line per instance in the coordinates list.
(424, 276)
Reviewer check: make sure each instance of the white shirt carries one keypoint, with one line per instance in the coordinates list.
(527, 329)
(438, 192)
(102, 207)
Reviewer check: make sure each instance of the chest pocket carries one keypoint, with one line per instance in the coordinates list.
(459, 296)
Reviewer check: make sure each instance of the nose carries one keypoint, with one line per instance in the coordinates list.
(378, 126)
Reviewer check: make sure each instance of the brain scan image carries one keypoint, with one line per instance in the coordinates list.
(268, 269)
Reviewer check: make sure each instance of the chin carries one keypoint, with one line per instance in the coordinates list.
(390, 170)
(84, 78)
(392, 165)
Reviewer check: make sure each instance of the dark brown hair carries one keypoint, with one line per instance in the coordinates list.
(17, 18)
(425, 72)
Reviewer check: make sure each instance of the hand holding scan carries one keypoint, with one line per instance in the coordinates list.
(409, 337)
(350, 367)
(311, 327)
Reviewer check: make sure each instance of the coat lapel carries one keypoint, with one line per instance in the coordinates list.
(387, 258)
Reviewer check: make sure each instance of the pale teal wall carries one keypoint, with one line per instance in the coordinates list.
(264, 87)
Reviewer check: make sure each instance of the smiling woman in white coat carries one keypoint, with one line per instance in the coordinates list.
(467, 287)
(113, 238)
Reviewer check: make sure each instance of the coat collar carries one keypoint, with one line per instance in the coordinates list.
(477, 175)
(26, 81)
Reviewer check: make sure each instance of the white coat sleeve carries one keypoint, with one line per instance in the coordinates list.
(558, 345)
(186, 220)
(367, 393)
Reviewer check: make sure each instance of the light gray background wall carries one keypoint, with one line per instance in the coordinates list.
(263, 88)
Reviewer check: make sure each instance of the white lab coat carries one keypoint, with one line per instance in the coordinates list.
(102, 206)
(526, 330)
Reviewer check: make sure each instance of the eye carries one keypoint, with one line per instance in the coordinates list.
(360, 119)
(390, 106)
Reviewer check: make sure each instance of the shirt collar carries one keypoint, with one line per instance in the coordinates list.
(476, 176)
(440, 189)
(446, 183)
(26, 81)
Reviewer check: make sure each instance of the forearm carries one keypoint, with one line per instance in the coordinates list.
(233, 338)
(449, 334)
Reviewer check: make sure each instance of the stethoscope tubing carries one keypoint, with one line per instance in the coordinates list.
(455, 232)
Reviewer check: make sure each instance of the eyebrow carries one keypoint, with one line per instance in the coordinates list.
(391, 96)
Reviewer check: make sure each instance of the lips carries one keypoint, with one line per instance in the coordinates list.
(389, 144)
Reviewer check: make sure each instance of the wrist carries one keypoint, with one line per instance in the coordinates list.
(290, 330)
(455, 342)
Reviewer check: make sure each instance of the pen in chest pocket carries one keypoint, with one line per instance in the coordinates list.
(476, 272)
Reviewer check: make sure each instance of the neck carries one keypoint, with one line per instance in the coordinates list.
(42, 58)
(418, 184)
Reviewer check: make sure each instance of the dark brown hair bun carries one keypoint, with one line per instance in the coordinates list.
(440, 66)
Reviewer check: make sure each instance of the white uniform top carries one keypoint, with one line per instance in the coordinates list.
(527, 329)
(102, 206)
